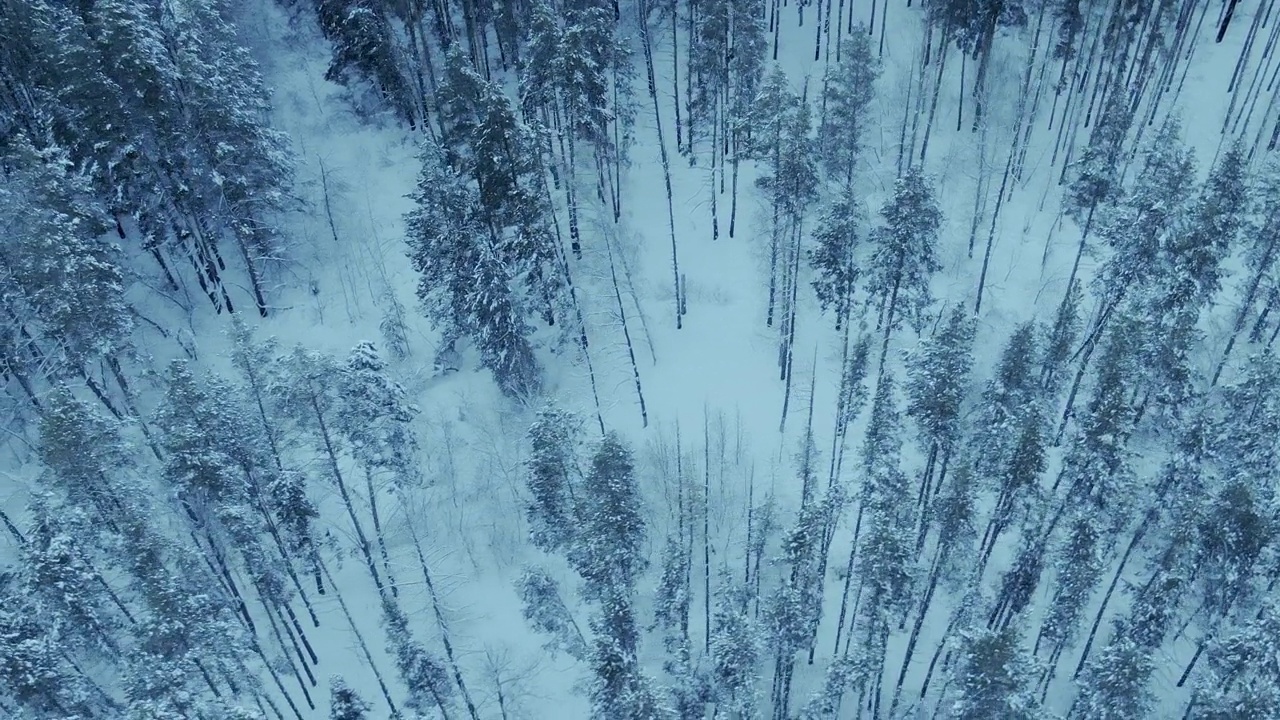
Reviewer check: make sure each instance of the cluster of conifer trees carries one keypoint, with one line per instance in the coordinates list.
(1095, 516)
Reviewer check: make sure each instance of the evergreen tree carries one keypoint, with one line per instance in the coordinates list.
(609, 552)
(1114, 685)
(886, 558)
(1078, 562)
(63, 283)
(423, 675)
(904, 255)
(833, 256)
(243, 169)
(464, 286)
(1135, 225)
(33, 673)
(847, 90)
(991, 679)
(619, 690)
(937, 383)
(364, 51)
(735, 651)
(1097, 175)
(83, 452)
(1187, 277)
(1008, 401)
(57, 576)
(971, 24)
(551, 468)
(213, 471)
(1245, 671)
(708, 66)
(571, 55)
(671, 613)
(377, 418)
(344, 702)
(545, 610)
(305, 394)
(1061, 340)
(1097, 467)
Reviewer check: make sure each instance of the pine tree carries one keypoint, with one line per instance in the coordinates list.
(1008, 400)
(344, 702)
(364, 51)
(464, 285)
(1097, 176)
(243, 169)
(61, 584)
(847, 90)
(1245, 671)
(1135, 225)
(609, 552)
(1061, 340)
(63, 282)
(904, 255)
(33, 673)
(735, 651)
(305, 394)
(423, 675)
(545, 610)
(1114, 686)
(1078, 562)
(1188, 276)
(213, 470)
(1097, 467)
(937, 384)
(992, 678)
(886, 547)
(708, 63)
(834, 257)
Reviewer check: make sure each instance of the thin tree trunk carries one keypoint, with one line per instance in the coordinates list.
(626, 333)
(361, 538)
(364, 646)
(440, 623)
(662, 146)
(377, 532)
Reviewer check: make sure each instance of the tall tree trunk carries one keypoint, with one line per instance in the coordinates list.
(364, 646)
(331, 453)
(377, 532)
(662, 145)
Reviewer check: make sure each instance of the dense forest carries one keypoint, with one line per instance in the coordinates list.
(640, 359)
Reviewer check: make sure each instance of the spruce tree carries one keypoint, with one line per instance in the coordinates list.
(937, 385)
(377, 417)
